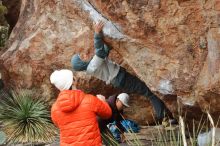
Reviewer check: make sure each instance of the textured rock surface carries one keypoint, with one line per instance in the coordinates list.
(172, 45)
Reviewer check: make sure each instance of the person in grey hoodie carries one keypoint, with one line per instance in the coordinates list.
(104, 69)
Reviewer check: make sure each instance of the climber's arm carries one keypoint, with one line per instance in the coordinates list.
(101, 49)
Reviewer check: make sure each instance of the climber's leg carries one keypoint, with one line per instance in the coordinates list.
(159, 107)
(132, 84)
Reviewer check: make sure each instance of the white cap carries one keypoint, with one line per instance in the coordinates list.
(62, 79)
(124, 98)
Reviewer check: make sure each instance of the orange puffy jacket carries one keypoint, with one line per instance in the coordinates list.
(74, 113)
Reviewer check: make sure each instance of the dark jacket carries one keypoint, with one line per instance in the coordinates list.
(116, 115)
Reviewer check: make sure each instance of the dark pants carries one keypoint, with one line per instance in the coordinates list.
(131, 84)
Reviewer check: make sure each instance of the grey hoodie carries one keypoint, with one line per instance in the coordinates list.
(99, 66)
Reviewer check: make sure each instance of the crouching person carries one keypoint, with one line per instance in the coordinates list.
(117, 104)
(74, 112)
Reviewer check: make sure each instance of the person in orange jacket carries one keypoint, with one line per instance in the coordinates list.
(75, 112)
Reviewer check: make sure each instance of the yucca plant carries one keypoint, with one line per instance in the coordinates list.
(26, 118)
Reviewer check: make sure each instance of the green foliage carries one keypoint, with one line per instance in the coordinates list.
(4, 27)
(26, 118)
(3, 11)
(3, 35)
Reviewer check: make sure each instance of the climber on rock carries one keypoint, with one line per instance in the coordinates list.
(74, 112)
(104, 69)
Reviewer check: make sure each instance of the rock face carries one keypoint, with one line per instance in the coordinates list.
(172, 45)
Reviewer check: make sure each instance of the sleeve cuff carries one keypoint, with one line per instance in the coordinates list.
(98, 35)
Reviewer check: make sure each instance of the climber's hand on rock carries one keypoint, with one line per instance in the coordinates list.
(98, 26)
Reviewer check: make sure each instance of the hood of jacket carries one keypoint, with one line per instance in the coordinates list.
(69, 100)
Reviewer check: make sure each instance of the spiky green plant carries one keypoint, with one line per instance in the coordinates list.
(26, 118)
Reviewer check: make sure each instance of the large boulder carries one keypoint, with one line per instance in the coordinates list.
(172, 45)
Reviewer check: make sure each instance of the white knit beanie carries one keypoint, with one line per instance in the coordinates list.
(62, 79)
